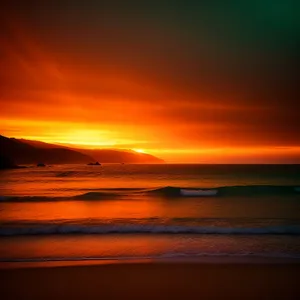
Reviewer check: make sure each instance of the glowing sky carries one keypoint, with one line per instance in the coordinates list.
(189, 81)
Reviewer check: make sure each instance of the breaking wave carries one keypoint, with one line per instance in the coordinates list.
(166, 256)
(166, 192)
(146, 229)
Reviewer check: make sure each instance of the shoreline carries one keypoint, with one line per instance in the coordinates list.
(165, 280)
(205, 260)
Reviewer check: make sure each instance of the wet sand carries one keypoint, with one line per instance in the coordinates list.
(153, 281)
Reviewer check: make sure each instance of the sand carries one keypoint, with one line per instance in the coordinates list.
(153, 281)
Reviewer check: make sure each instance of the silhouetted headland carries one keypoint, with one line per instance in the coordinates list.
(121, 156)
(36, 152)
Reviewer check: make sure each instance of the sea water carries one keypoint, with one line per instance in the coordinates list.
(74, 213)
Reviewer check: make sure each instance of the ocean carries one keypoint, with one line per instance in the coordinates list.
(121, 212)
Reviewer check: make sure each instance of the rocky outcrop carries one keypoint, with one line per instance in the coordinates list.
(94, 164)
(41, 165)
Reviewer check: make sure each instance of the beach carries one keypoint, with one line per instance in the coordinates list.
(154, 280)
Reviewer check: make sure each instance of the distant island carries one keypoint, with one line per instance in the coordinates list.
(14, 152)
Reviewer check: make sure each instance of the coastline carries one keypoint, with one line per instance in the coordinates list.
(154, 280)
(91, 261)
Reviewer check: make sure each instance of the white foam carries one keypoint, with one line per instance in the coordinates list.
(197, 193)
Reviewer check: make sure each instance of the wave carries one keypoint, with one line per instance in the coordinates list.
(240, 190)
(166, 192)
(165, 256)
(147, 229)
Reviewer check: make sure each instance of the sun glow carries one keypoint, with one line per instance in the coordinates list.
(139, 150)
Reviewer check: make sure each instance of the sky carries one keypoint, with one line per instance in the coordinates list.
(189, 81)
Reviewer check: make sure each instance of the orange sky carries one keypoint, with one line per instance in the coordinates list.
(75, 79)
